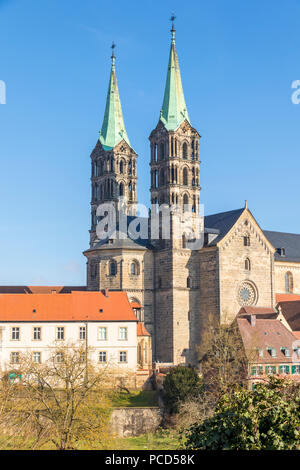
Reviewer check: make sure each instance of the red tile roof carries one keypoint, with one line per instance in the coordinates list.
(141, 329)
(77, 306)
(291, 312)
(266, 333)
(135, 305)
(257, 310)
(40, 289)
(287, 297)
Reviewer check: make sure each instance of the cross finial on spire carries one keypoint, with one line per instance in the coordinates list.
(173, 18)
(113, 52)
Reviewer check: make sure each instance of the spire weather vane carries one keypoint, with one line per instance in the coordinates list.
(173, 18)
(113, 50)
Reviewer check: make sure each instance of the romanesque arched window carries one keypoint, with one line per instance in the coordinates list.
(162, 178)
(134, 268)
(185, 201)
(185, 176)
(289, 283)
(122, 166)
(194, 207)
(193, 150)
(112, 268)
(184, 150)
(189, 282)
(121, 189)
(247, 264)
(162, 151)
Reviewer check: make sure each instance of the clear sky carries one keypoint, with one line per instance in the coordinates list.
(238, 60)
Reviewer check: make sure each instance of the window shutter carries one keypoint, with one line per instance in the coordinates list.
(253, 371)
(293, 369)
(287, 369)
(280, 369)
(261, 370)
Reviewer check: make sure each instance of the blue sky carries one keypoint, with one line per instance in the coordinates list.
(238, 61)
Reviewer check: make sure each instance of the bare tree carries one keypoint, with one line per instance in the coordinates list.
(63, 401)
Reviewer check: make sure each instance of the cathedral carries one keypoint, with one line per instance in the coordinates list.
(174, 288)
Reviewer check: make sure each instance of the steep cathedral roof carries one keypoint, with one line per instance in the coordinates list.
(222, 222)
(290, 242)
(113, 127)
(174, 110)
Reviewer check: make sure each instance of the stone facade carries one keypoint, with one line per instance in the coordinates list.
(179, 288)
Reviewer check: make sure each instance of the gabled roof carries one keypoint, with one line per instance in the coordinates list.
(223, 222)
(291, 312)
(77, 306)
(40, 289)
(260, 312)
(113, 127)
(142, 330)
(267, 333)
(287, 297)
(174, 110)
(289, 241)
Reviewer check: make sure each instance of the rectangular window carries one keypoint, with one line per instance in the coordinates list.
(37, 357)
(256, 370)
(102, 333)
(123, 356)
(37, 333)
(82, 332)
(270, 370)
(246, 241)
(102, 356)
(82, 357)
(284, 369)
(15, 333)
(59, 358)
(60, 333)
(296, 369)
(14, 357)
(123, 333)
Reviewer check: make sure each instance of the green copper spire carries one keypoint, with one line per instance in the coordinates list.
(113, 127)
(174, 110)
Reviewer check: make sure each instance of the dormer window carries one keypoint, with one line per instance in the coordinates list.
(272, 352)
(280, 251)
(286, 352)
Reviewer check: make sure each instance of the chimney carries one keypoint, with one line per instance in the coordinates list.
(106, 292)
(253, 319)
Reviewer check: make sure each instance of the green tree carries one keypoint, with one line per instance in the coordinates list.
(267, 418)
(181, 383)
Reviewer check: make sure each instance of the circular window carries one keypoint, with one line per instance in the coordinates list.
(246, 294)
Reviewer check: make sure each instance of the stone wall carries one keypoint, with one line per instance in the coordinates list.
(232, 271)
(126, 422)
(281, 268)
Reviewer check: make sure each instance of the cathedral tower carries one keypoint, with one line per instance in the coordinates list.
(113, 159)
(175, 181)
(174, 145)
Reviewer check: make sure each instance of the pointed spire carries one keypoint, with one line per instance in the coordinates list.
(174, 110)
(113, 127)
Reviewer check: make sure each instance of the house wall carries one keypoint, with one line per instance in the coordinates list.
(48, 340)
